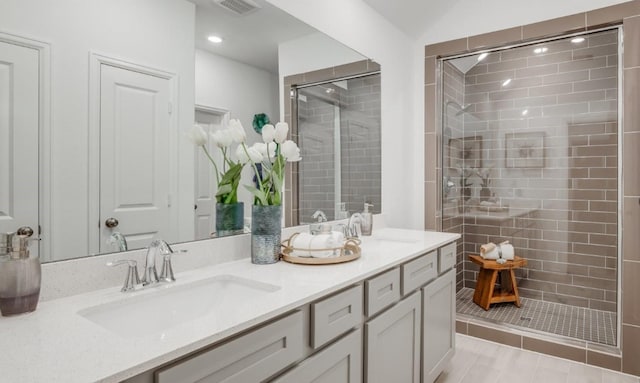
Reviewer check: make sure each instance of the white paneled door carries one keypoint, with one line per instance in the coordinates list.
(135, 115)
(19, 111)
(205, 178)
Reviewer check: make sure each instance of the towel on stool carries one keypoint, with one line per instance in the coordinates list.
(506, 250)
(489, 251)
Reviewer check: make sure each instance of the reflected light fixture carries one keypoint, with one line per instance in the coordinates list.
(525, 112)
(577, 40)
(215, 39)
(483, 56)
(506, 82)
(540, 50)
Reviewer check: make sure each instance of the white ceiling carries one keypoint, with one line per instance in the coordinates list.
(252, 39)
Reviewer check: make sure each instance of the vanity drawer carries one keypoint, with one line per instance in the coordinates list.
(334, 316)
(382, 291)
(418, 272)
(446, 257)
(253, 357)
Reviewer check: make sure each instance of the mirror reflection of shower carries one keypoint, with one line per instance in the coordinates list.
(339, 138)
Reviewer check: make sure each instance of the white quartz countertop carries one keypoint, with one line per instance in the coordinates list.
(56, 344)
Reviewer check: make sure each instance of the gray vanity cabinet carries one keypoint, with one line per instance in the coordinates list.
(397, 326)
(341, 362)
(253, 357)
(392, 343)
(438, 335)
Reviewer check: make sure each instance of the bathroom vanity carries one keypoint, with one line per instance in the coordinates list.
(388, 316)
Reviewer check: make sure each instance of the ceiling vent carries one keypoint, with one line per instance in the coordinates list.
(238, 7)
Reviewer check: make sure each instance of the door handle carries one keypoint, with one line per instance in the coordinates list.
(111, 222)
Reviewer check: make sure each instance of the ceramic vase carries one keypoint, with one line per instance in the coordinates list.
(266, 229)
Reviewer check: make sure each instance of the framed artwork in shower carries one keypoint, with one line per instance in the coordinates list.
(465, 152)
(524, 150)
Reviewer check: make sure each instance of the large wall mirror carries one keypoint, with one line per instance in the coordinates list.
(95, 100)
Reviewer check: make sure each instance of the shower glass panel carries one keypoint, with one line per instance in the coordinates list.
(339, 138)
(530, 156)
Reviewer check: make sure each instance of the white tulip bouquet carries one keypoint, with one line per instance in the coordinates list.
(272, 154)
(228, 178)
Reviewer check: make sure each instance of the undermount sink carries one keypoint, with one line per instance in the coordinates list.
(394, 236)
(157, 310)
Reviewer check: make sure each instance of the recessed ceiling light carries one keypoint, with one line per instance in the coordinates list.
(483, 56)
(215, 39)
(525, 112)
(540, 50)
(506, 82)
(577, 40)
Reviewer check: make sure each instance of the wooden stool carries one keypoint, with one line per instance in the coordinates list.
(485, 295)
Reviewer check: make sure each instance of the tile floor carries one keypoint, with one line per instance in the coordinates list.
(478, 361)
(555, 318)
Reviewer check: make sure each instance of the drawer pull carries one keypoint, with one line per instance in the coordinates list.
(385, 290)
(340, 314)
(421, 270)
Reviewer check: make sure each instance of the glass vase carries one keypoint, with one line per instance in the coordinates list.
(229, 218)
(266, 228)
(485, 194)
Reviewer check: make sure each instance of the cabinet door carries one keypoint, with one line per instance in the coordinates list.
(439, 311)
(253, 357)
(392, 348)
(339, 363)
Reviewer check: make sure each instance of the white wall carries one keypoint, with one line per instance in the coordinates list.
(313, 52)
(241, 89)
(356, 25)
(154, 33)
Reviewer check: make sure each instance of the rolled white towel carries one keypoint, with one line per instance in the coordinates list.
(308, 245)
(506, 251)
(300, 243)
(493, 254)
(331, 240)
(487, 247)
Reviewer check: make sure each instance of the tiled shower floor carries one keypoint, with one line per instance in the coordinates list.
(576, 322)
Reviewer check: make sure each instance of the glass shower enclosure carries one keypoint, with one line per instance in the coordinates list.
(530, 155)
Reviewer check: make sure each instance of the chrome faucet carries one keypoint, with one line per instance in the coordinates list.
(447, 186)
(158, 247)
(354, 230)
(116, 238)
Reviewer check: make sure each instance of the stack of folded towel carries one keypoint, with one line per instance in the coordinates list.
(504, 250)
(310, 245)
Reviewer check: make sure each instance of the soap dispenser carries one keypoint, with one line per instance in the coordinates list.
(20, 277)
(317, 228)
(342, 212)
(366, 226)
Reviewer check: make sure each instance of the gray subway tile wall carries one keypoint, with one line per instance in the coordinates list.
(357, 106)
(562, 201)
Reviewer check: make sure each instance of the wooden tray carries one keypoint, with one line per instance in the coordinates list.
(348, 252)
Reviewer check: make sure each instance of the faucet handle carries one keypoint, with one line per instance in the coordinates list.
(132, 278)
(166, 274)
